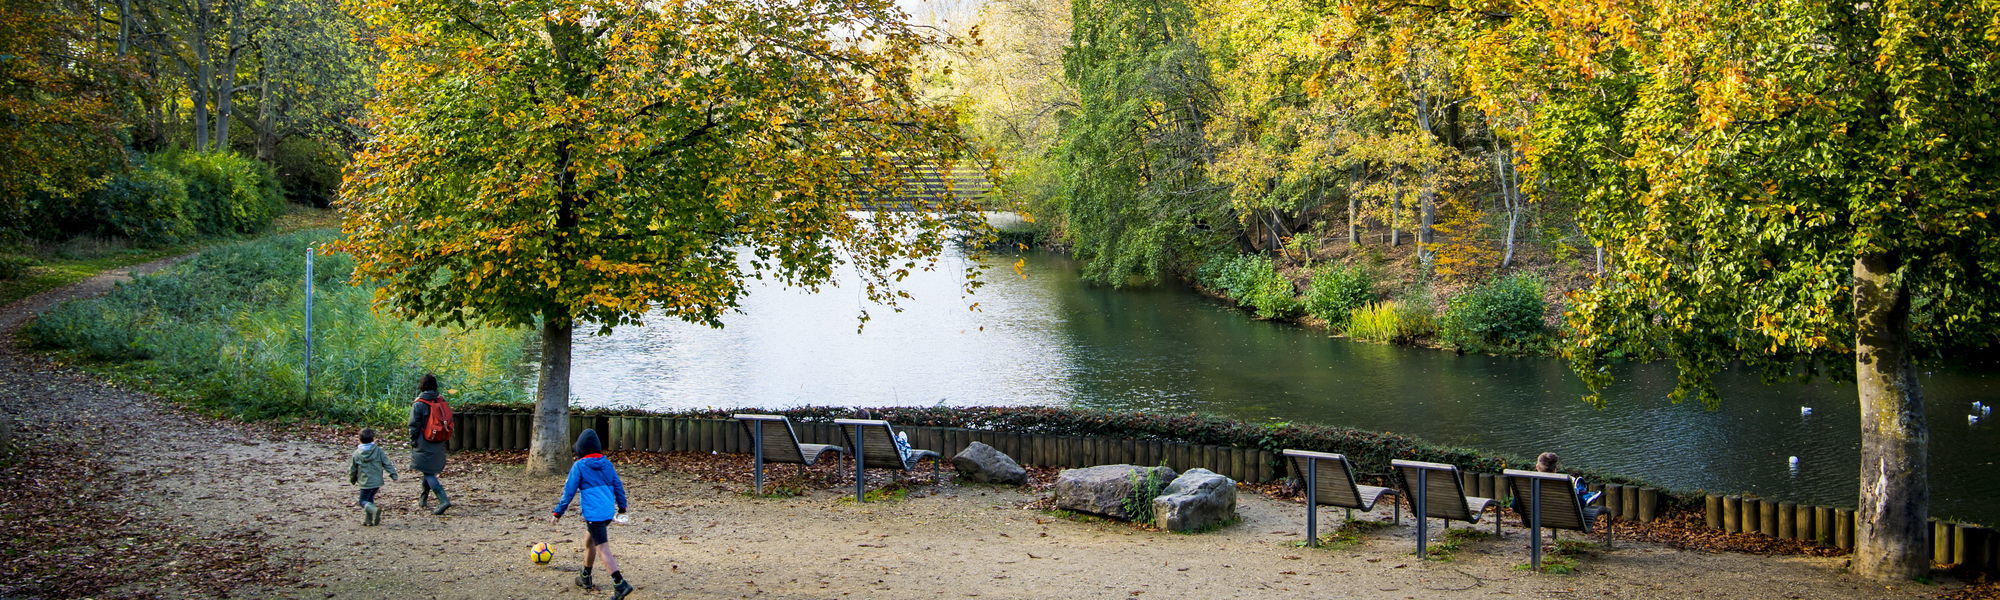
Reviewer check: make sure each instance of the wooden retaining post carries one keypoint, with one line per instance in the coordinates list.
(1649, 505)
(1941, 543)
(1713, 513)
(1843, 529)
(1823, 523)
(1732, 514)
(1804, 522)
(1614, 500)
(1788, 521)
(1767, 517)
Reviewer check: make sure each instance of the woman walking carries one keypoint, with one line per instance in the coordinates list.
(428, 456)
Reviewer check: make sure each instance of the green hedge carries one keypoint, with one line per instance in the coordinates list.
(1371, 451)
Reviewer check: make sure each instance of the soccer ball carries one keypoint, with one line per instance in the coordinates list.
(541, 554)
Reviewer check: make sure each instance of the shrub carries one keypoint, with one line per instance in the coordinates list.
(148, 205)
(1503, 315)
(1139, 504)
(1253, 282)
(1402, 321)
(1337, 291)
(13, 266)
(226, 192)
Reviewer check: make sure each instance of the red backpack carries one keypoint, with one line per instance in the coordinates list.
(438, 429)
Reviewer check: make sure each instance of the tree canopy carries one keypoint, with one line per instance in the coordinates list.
(561, 162)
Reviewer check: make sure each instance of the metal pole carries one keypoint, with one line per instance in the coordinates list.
(1535, 524)
(860, 474)
(1423, 518)
(1312, 502)
(757, 450)
(309, 323)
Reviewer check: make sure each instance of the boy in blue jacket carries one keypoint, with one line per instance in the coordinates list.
(596, 480)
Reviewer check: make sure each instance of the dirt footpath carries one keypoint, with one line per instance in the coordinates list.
(278, 500)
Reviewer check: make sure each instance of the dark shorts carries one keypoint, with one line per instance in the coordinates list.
(368, 495)
(598, 533)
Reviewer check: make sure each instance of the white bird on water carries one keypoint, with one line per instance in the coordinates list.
(1805, 411)
(1972, 419)
(1795, 462)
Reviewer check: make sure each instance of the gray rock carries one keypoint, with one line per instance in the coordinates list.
(1102, 490)
(1197, 499)
(984, 464)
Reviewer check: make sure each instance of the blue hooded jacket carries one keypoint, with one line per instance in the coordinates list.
(593, 477)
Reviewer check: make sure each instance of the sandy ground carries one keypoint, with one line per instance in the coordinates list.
(693, 537)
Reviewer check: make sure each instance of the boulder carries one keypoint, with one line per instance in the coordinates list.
(1196, 500)
(984, 464)
(1102, 490)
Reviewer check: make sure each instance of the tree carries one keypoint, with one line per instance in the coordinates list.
(557, 163)
(1134, 156)
(61, 106)
(1777, 184)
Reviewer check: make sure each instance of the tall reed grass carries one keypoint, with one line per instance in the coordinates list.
(225, 331)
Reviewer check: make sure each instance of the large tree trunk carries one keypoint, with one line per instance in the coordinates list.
(548, 451)
(267, 126)
(1892, 523)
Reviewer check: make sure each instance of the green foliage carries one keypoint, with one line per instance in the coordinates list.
(227, 193)
(1370, 451)
(1146, 485)
(309, 169)
(1402, 321)
(1336, 291)
(223, 330)
(148, 205)
(1132, 157)
(1502, 315)
(13, 266)
(1253, 282)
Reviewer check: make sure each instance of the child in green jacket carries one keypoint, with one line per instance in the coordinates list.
(365, 469)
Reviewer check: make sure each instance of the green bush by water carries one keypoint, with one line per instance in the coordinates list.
(224, 330)
(1503, 315)
(1253, 282)
(1336, 291)
(1403, 321)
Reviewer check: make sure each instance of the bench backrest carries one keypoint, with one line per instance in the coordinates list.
(1444, 492)
(1333, 477)
(781, 443)
(878, 442)
(1560, 506)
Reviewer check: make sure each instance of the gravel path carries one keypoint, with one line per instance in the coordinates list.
(210, 508)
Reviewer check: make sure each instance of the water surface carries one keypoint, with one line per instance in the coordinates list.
(1049, 339)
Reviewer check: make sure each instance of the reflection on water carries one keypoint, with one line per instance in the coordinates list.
(1050, 339)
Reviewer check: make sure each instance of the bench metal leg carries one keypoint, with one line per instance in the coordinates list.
(1535, 526)
(860, 470)
(1312, 505)
(1423, 518)
(757, 451)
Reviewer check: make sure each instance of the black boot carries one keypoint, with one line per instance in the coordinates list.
(425, 500)
(444, 501)
(583, 580)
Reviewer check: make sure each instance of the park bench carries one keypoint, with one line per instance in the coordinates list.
(875, 444)
(1550, 500)
(772, 439)
(1329, 480)
(1437, 490)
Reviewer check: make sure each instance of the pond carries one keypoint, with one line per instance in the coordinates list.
(1044, 337)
